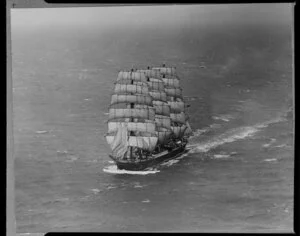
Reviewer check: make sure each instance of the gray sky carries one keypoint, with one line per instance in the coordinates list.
(171, 15)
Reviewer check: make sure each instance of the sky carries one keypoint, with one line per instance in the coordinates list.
(168, 16)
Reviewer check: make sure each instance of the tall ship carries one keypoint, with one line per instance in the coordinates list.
(147, 122)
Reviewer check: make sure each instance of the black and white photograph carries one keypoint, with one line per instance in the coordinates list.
(153, 118)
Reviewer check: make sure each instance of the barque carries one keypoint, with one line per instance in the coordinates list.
(147, 121)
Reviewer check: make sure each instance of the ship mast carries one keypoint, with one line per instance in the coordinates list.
(131, 114)
(132, 119)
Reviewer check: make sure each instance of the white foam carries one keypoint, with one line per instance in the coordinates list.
(220, 118)
(95, 190)
(111, 187)
(113, 169)
(266, 145)
(41, 132)
(282, 145)
(137, 186)
(62, 199)
(221, 156)
(199, 132)
(273, 140)
(146, 201)
(225, 118)
(170, 162)
(271, 159)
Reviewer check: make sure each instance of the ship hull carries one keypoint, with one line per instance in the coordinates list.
(159, 158)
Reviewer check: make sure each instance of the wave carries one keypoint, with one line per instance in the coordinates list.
(273, 140)
(169, 163)
(231, 136)
(225, 118)
(95, 190)
(271, 159)
(113, 169)
(221, 156)
(198, 132)
(146, 201)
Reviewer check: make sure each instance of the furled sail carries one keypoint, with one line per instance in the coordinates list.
(144, 113)
(130, 81)
(151, 73)
(132, 126)
(166, 70)
(131, 88)
(139, 76)
(119, 142)
(137, 99)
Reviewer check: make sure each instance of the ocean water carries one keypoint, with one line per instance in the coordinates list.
(238, 173)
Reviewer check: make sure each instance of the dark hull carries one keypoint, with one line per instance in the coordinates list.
(141, 165)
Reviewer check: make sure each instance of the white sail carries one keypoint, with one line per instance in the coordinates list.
(139, 76)
(178, 117)
(188, 130)
(173, 92)
(166, 70)
(158, 80)
(158, 95)
(171, 82)
(178, 130)
(131, 88)
(130, 81)
(156, 85)
(151, 73)
(141, 106)
(146, 143)
(163, 135)
(163, 109)
(119, 143)
(137, 99)
(176, 106)
(143, 113)
(159, 103)
(132, 126)
(163, 121)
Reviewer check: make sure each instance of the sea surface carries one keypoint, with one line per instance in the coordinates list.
(238, 173)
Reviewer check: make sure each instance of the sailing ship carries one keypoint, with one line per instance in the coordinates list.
(147, 123)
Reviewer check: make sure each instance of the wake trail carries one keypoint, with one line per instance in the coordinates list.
(230, 136)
